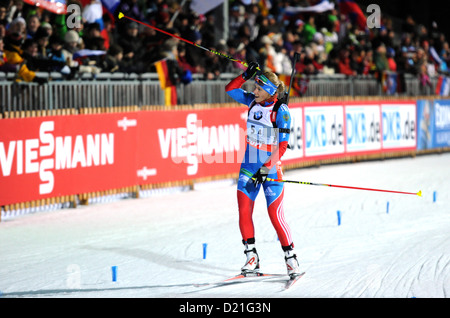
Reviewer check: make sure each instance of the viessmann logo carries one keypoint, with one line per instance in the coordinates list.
(49, 153)
(196, 143)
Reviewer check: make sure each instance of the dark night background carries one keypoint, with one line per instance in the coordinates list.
(423, 11)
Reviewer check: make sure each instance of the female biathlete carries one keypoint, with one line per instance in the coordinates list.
(268, 126)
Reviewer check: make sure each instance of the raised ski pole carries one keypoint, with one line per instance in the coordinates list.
(121, 15)
(341, 186)
(296, 57)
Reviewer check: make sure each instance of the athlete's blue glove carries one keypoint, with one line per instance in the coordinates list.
(260, 176)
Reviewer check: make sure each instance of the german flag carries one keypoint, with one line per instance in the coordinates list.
(167, 85)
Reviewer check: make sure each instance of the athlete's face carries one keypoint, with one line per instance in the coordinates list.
(260, 94)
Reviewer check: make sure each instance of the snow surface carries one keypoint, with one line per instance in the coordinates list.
(157, 242)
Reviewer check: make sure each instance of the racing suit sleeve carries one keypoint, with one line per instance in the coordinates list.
(235, 91)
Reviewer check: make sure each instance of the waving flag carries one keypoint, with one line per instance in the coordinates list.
(320, 7)
(55, 6)
(167, 85)
(111, 5)
(203, 6)
(443, 86)
(354, 12)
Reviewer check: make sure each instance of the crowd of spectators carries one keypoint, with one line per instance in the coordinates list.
(32, 39)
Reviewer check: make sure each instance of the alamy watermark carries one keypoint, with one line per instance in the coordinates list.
(373, 20)
(73, 20)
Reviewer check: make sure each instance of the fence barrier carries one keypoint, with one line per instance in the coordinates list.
(106, 90)
(88, 149)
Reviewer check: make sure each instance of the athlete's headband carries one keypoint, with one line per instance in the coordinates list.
(265, 84)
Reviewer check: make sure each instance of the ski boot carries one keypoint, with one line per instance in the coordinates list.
(252, 262)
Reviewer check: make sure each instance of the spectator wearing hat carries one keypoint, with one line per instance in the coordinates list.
(390, 54)
(191, 32)
(267, 54)
(113, 59)
(71, 45)
(18, 26)
(281, 59)
(240, 55)
(15, 58)
(48, 27)
(30, 49)
(236, 19)
(4, 65)
(132, 48)
(131, 9)
(107, 31)
(55, 52)
(182, 60)
(345, 63)
(273, 25)
(92, 39)
(36, 63)
(380, 59)
(42, 37)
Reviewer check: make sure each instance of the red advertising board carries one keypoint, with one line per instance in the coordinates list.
(63, 155)
(55, 156)
(190, 144)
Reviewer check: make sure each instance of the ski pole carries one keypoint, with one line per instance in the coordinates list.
(340, 186)
(296, 57)
(121, 15)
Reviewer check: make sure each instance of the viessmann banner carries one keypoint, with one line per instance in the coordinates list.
(62, 155)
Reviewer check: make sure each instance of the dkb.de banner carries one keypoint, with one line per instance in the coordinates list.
(56, 156)
(332, 130)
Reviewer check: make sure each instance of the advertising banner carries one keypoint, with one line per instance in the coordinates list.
(190, 144)
(398, 125)
(55, 156)
(330, 130)
(63, 155)
(363, 123)
(324, 133)
(442, 123)
(433, 124)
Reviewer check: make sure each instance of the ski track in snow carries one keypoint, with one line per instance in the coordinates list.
(156, 242)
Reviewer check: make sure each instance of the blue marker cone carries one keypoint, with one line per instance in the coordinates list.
(114, 273)
(339, 217)
(387, 207)
(204, 250)
(434, 196)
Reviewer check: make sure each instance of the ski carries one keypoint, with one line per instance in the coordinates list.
(292, 280)
(241, 278)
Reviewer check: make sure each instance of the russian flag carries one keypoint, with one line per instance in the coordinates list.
(443, 86)
(352, 9)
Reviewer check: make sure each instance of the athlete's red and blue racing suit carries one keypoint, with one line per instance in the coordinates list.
(265, 146)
